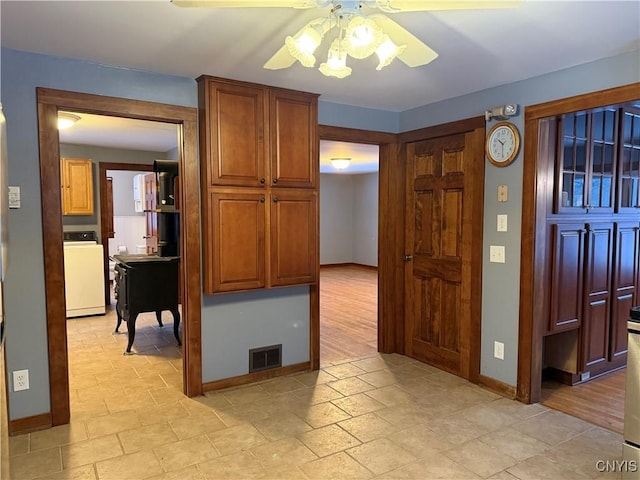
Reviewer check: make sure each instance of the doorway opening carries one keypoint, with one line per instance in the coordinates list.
(348, 250)
(49, 103)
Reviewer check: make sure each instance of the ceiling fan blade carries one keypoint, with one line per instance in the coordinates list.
(394, 6)
(416, 53)
(246, 3)
(281, 59)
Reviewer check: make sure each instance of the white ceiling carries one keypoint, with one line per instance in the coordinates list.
(477, 49)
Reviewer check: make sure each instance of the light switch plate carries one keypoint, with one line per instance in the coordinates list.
(498, 350)
(503, 193)
(496, 254)
(502, 223)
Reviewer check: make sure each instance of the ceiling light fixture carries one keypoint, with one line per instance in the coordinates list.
(354, 34)
(66, 120)
(340, 163)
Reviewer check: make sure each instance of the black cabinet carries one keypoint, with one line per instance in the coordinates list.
(146, 283)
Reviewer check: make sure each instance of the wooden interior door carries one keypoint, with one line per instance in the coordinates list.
(109, 198)
(438, 246)
(151, 217)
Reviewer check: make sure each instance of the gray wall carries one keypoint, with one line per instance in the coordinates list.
(501, 282)
(230, 315)
(349, 219)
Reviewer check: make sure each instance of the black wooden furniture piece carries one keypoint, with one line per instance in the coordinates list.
(146, 283)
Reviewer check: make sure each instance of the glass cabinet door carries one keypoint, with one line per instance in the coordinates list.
(603, 160)
(629, 162)
(573, 161)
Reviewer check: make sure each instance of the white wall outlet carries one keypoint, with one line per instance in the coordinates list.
(498, 350)
(496, 254)
(502, 223)
(20, 380)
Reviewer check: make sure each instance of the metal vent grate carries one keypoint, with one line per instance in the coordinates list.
(263, 358)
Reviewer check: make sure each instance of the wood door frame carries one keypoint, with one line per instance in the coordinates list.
(49, 101)
(535, 192)
(104, 221)
(475, 128)
(390, 240)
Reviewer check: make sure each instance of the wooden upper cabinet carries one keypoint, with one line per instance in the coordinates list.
(77, 186)
(586, 169)
(294, 258)
(235, 133)
(294, 139)
(629, 162)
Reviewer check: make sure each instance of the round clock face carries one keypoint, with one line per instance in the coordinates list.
(502, 145)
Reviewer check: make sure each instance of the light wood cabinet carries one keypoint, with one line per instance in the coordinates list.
(259, 160)
(76, 176)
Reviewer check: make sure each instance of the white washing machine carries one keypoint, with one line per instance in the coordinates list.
(83, 275)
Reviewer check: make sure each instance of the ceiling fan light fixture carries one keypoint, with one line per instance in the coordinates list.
(336, 64)
(340, 163)
(66, 120)
(387, 52)
(303, 46)
(363, 37)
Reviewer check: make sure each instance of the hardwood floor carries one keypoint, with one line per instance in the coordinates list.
(348, 312)
(599, 401)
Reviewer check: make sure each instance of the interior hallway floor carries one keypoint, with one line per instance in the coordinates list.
(378, 416)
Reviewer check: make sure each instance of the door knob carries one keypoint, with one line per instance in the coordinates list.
(407, 258)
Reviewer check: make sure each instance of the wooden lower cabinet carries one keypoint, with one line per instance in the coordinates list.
(595, 280)
(250, 246)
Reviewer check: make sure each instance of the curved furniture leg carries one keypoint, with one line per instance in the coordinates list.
(131, 330)
(119, 320)
(176, 325)
(159, 317)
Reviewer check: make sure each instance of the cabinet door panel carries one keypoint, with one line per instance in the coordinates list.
(294, 139)
(596, 318)
(294, 237)
(236, 127)
(625, 284)
(77, 186)
(629, 161)
(238, 241)
(567, 276)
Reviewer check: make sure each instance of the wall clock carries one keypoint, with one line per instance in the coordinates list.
(503, 142)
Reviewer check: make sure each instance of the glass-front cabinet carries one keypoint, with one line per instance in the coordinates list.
(598, 161)
(629, 162)
(587, 161)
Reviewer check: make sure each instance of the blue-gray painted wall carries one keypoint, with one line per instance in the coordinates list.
(233, 323)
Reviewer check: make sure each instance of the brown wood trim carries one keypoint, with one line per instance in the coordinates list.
(602, 98)
(451, 128)
(104, 221)
(314, 323)
(327, 132)
(53, 262)
(532, 321)
(256, 376)
(348, 264)
(30, 424)
(49, 102)
(498, 387)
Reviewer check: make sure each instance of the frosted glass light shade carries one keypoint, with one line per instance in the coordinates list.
(387, 52)
(66, 120)
(363, 37)
(340, 163)
(336, 64)
(303, 46)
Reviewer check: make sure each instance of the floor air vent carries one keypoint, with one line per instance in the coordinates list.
(264, 358)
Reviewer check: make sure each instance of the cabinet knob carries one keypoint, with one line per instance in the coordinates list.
(275, 200)
(262, 180)
(261, 199)
(275, 180)
(407, 258)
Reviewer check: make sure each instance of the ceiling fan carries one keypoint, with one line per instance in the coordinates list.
(352, 32)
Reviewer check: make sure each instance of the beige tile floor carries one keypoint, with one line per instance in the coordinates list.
(383, 417)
